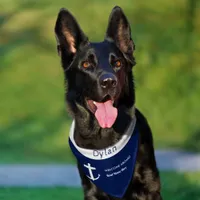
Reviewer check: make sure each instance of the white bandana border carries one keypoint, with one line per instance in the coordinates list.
(100, 154)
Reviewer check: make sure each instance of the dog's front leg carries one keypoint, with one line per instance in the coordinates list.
(94, 194)
(91, 192)
(155, 196)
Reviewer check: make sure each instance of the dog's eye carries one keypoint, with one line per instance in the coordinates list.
(85, 64)
(118, 64)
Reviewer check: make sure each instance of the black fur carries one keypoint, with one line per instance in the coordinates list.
(84, 83)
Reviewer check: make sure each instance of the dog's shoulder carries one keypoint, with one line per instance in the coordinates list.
(141, 119)
(144, 129)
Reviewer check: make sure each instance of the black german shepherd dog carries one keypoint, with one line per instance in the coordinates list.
(101, 97)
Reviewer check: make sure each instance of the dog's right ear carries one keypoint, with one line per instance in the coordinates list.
(69, 36)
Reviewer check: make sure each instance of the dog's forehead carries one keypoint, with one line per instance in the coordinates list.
(104, 49)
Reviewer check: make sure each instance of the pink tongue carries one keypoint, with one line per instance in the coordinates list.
(106, 114)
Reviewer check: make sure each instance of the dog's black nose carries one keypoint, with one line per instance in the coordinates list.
(108, 81)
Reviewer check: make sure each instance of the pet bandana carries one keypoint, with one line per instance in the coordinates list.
(110, 169)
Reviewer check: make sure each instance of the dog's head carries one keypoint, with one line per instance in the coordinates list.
(99, 77)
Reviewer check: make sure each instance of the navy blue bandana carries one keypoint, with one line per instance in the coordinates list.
(110, 169)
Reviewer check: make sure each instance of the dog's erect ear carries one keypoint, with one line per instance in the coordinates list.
(119, 32)
(68, 34)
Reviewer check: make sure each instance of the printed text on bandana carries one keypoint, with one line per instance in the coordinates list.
(119, 168)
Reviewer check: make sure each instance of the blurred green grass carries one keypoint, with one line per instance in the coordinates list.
(33, 119)
(176, 186)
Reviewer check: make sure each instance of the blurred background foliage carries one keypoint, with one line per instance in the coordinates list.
(34, 124)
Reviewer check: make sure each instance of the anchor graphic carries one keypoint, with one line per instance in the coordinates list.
(90, 169)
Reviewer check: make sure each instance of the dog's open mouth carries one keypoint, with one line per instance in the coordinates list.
(104, 112)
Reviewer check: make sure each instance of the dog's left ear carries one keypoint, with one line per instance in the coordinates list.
(119, 32)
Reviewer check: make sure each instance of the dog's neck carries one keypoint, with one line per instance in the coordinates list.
(88, 134)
